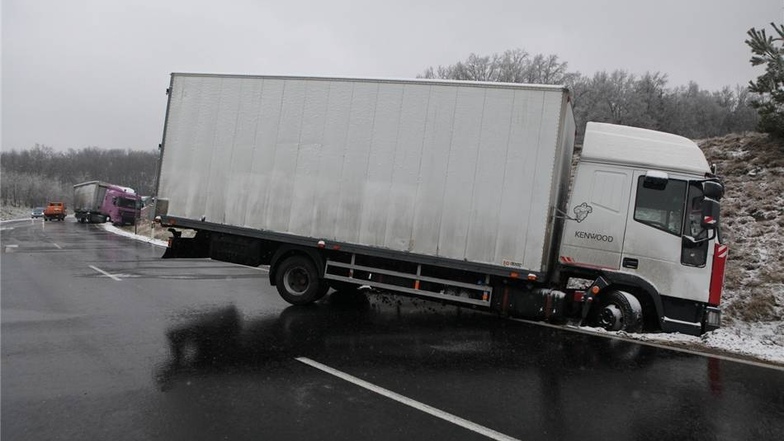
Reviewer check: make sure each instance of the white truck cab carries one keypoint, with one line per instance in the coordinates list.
(644, 211)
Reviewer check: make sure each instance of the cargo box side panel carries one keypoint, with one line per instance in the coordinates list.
(485, 194)
(353, 174)
(520, 172)
(406, 171)
(280, 190)
(544, 188)
(263, 154)
(185, 164)
(240, 150)
(437, 142)
(378, 184)
(219, 157)
(451, 170)
(327, 189)
(460, 175)
(312, 151)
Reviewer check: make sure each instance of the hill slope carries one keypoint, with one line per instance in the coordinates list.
(752, 168)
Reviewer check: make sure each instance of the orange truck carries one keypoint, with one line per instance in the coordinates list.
(55, 210)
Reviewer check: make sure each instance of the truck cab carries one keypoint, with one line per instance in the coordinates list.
(55, 210)
(644, 215)
(121, 204)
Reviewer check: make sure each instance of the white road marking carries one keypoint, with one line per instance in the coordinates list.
(111, 276)
(58, 246)
(490, 433)
(11, 248)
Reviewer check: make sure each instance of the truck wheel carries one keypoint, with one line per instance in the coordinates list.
(298, 282)
(620, 311)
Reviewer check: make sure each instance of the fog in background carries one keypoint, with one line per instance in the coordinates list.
(82, 73)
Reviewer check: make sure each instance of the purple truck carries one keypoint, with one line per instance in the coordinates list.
(98, 202)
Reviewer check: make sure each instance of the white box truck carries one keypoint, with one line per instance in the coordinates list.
(452, 191)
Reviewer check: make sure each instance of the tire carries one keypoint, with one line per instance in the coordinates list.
(298, 281)
(620, 311)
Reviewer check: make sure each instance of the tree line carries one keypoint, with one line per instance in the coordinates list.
(33, 177)
(617, 97)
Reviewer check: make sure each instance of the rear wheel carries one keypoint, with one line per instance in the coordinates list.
(298, 282)
(620, 311)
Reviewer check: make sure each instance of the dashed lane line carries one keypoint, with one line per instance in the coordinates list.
(111, 276)
(490, 433)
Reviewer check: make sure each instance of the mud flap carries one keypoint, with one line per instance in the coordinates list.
(187, 247)
(539, 304)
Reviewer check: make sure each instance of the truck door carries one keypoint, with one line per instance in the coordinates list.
(593, 233)
(654, 248)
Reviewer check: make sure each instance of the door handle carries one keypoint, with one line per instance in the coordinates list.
(630, 263)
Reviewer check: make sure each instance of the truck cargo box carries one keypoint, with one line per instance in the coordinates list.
(467, 171)
(88, 196)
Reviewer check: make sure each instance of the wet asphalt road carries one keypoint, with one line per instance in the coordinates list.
(101, 339)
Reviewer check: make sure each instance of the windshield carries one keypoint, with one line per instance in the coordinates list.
(126, 203)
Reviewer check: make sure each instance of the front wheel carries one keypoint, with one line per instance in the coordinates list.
(298, 282)
(620, 311)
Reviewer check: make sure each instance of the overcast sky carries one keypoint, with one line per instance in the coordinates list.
(79, 73)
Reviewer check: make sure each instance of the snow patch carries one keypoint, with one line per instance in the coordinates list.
(112, 229)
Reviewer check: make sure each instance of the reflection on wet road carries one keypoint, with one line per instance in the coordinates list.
(216, 354)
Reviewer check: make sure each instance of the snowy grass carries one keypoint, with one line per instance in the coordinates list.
(9, 212)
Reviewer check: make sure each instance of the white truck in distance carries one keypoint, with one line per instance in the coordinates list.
(452, 191)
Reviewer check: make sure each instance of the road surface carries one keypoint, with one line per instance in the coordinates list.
(101, 339)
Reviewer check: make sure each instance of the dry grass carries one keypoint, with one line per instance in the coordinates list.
(752, 167)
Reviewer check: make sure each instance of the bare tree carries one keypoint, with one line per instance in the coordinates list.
(513, 66)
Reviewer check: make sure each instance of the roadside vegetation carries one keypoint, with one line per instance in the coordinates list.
(33, 177)
(752, 168)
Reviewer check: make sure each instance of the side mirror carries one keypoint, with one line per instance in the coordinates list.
(655, 180)
(713, 189)
(710, 214)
